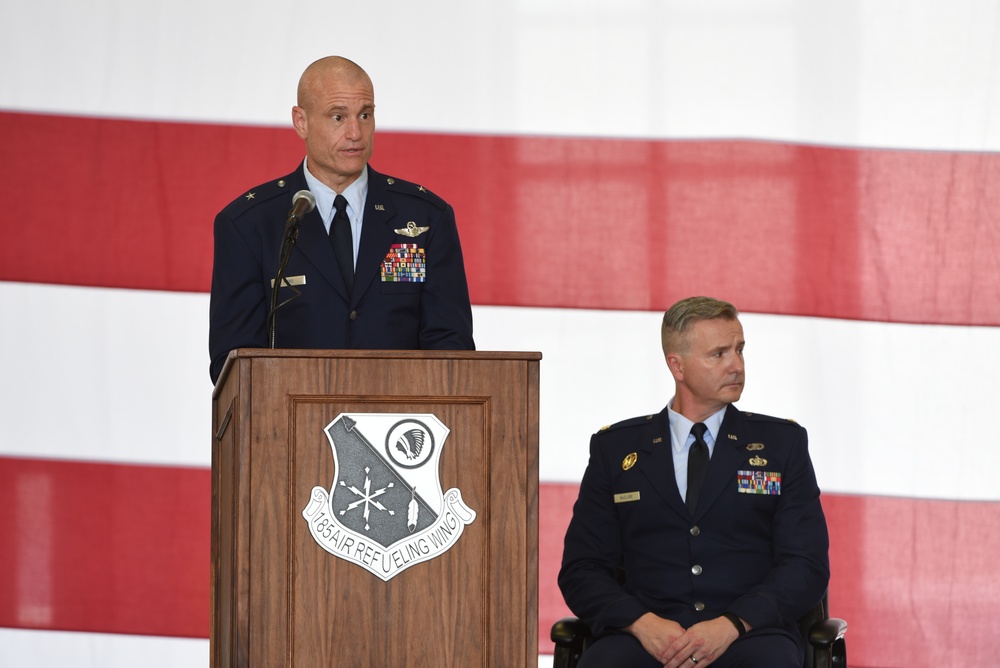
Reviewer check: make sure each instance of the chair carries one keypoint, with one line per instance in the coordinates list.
(824, 636)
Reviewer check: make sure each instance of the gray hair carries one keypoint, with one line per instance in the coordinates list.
(680, 317)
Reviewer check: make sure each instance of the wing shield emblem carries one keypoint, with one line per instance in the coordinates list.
(385, 510)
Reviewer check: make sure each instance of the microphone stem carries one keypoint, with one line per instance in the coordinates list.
(287, 244)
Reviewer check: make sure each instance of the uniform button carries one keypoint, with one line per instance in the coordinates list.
(354, 315)
(695, 530)
(699, 606)
(696, 569)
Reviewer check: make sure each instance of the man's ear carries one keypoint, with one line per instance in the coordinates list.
(676, 365)
(299, 121)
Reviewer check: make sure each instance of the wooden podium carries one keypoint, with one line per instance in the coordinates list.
(291, 586)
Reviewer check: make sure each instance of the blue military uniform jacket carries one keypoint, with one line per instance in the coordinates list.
(410, 289)
(756, 545)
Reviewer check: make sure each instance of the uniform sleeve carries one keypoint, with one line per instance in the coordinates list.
(592, 552)
(801, 572)
(445, 310)
(237, 313)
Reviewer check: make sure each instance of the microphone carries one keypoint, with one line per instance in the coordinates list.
(302, 203)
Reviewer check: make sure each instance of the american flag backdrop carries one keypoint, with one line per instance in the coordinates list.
(829, 167)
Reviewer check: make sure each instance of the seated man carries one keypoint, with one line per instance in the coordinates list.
(698, 536)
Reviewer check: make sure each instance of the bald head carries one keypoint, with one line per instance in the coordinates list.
(332, 71)
(335, 115)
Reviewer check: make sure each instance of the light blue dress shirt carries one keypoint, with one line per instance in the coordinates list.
(681, 440)
(355, 194)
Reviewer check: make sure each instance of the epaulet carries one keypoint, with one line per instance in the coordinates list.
(256, 196)
(760, 417)
(631, 422)
(402, 187)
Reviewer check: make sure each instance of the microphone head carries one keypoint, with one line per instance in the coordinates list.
(310, 200)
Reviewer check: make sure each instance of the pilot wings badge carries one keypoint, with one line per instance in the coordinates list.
(385, 510)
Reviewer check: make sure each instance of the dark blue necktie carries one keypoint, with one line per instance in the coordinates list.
(342, 241)
(697, 465)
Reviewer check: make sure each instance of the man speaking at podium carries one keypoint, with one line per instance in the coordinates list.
(365, 260)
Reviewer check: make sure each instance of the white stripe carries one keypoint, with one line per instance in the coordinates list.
(121, 375)
(871, 72)
(901, 410)
(110, 375)
(60, 649)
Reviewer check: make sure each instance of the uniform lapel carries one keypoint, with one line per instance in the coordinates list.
(313, 241)
(376, 235)
(659, 468)
(727, 456)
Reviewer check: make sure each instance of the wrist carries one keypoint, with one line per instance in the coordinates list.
(736, 622)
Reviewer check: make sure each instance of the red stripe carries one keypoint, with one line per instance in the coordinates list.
(105, 547)
(915, 579)
(903, 236)
(125, 549)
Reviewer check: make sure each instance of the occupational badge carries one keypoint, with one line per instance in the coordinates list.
(629, 461)
(411, 230)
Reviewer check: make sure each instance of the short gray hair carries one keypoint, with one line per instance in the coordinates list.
(680, 317)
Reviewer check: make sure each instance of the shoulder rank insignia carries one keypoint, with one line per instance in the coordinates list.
(629, 461)
(755, 446)
(411, 230)
(758, 461)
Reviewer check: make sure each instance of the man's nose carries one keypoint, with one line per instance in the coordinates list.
(737, 364)
(353, 130)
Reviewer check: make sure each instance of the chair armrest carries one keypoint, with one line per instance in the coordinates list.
(569, 631)
(824, 633)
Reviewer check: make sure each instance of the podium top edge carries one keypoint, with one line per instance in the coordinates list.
(293, 353)
(388, 354)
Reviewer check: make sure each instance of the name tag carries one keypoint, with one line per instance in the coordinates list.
(291, 280)
(626, 497)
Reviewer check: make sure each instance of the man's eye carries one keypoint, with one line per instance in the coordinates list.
(337, 117)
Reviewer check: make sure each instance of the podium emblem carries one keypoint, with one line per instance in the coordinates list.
(385, 510)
